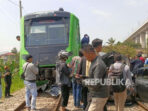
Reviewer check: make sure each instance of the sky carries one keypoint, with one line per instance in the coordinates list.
(98, 18)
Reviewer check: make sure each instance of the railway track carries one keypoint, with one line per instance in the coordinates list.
(110, 106)
(48, 103)
(139, 106)
(44, 102)
(145, 107)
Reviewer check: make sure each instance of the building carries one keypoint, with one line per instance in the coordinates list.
(140, 36)
(5, 56)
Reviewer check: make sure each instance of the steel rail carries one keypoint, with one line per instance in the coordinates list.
(55, 107)
(142, 105)
(21, 106)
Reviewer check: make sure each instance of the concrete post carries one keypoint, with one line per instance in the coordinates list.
(138, 39)
(142, 40)
(135, 39)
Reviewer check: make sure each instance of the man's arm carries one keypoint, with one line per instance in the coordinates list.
(70, 65)
(7, 73)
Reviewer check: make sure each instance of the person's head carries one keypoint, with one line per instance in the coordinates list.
(97, 44)
(6, 67)
(139, 55)
(81, 53)
(85, 35)
(89, 52)
(29, 58)
(18, 38)
(118, 58)
(63, 55)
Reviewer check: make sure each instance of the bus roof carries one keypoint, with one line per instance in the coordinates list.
(47, 14)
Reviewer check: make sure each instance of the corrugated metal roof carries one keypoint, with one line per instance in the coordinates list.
(6, 54)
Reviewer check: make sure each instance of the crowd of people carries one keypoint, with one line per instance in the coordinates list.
(83, 74)
(90, 65)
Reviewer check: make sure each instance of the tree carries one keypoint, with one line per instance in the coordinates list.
(14, 50)
(17, 54)
(111, 41)
(132, 44)
(121, 48)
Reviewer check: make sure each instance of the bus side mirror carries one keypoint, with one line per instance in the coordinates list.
(18, 38)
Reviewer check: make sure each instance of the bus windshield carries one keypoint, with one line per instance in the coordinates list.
(46, 32)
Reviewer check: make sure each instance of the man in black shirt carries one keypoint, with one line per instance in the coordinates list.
(7, 81)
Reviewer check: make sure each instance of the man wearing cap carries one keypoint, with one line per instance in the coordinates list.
(30, 82)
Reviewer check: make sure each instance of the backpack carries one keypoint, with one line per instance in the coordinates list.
(138, 64)
(108, 58)
(115, 76)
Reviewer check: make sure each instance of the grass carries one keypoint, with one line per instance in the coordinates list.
(17, 84)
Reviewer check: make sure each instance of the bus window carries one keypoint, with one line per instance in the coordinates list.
(38, 29)
(46, 32)
(57, 34)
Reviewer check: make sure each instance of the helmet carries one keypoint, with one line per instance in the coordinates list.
(63, 54)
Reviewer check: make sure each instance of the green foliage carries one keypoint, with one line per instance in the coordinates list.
(122, 49)
(111, 41)
(14, 50)
(126, 48)
(17, 83)
(132, 44)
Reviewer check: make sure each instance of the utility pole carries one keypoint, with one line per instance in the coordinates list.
(20, 6)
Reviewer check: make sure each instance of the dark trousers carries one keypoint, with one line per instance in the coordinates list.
(105, 107)
(7, 88)
(65, 95)
(84, 96)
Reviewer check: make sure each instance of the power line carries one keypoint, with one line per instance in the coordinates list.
(18, 5)
(13, 3)
(8, 16)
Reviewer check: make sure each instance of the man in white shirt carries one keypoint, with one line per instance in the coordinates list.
(30, 82)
